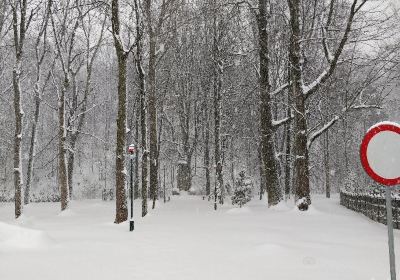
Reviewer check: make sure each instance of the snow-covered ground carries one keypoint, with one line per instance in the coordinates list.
(186, 239)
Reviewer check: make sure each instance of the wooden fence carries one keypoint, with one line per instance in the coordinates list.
(372, 206)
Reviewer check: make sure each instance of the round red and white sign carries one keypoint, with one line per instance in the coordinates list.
(380, 153)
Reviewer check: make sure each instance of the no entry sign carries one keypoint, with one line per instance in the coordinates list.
(380, 153)
(380, 157)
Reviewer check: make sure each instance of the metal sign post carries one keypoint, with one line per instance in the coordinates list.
(389, 220)
(380, 149)
(131, 151)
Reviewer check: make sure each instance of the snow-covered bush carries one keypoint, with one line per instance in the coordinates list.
(243, 190)
(41, 195)
(176, 191)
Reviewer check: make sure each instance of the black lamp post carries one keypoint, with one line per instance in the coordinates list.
(131, 152)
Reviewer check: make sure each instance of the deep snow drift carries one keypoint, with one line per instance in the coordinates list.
(186, 239)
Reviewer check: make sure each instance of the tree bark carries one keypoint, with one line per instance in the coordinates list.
(137, 120)
(267, 130)
(217, 96)
(262, 173)
(288, 156)
(326, 162)
(152, 106)
(19, 33)
(33, 138)
(62, 167)
(18, 179)
(207, 150)
(301, 171)
(142, 94)
(121, 214)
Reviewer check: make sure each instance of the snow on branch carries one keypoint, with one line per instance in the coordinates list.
(277, 123)
(279, 89)
(319, 132)
(310, 87)
(334, 60)
(329, 124)
(365, 106)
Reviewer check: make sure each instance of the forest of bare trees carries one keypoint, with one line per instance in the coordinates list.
(204, 88)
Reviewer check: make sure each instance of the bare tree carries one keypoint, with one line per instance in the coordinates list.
(64, 33)
(300, 92)
(79, 108)
(41, 49)
(154, 27)
(20, 23)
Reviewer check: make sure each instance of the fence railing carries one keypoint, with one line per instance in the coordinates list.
(374, 207)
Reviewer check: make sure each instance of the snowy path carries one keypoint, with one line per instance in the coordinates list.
(185, 239)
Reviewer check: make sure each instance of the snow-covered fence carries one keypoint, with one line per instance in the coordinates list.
(371, 205)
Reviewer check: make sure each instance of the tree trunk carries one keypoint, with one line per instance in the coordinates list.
(19, 28)
(120, 176)
(267, 130)
(300, 150)
(262, 173)
(72, 135)
(137, 120)
(217, 96)
(62, 168)
(184, 176)
(152, 110)
(32, 145)
(207, 151)
(2, 15)
(326, 162)
(142, 94)
(18, 179)
(121, 214)
(288, 161)
(70, 168)
(152, 107)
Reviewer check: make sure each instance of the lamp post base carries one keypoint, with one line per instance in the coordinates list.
(131, 225)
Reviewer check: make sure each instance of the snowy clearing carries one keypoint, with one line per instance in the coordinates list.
(186, 239)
